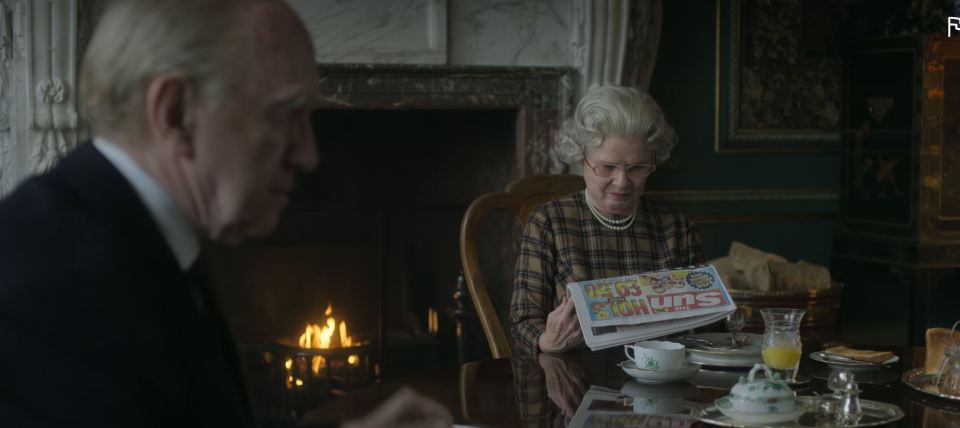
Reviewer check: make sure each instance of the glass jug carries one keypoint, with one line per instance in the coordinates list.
(948, 378)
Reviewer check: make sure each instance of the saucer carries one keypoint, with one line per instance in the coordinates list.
(823, 357)
(654, 377)
(725, 407)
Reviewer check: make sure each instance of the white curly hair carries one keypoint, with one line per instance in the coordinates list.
(615, 110)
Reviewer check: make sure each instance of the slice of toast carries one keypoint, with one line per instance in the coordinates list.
(860, 354)
(938, 339)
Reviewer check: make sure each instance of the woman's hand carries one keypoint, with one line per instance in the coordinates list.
(563, 329)
(566, 382)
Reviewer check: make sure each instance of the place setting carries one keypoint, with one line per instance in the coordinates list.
(655, 362)
(779, 347)
(767, 395)
(769, 400)
(843, 357)
(940, 375)
(725, 350)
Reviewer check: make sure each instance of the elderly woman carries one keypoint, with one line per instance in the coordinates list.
(619, 135)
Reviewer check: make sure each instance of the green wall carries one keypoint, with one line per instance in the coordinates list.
(684, 83)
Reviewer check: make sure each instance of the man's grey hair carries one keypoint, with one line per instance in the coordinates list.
(137, 40)
(615, 111)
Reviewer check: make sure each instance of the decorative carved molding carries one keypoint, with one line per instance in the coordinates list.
(51, 91)
(6, 53)
(51, 65)
(48, 146)
(19, 32)
(541, 96)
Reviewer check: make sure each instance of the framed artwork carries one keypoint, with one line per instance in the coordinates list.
(778, 75)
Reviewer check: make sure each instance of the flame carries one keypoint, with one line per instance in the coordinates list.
(353, 360)
(317, 363)
(432, 321)
(345, 340)
(316, 336)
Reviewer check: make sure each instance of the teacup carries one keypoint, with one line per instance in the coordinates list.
(657, 355)
(657, 405)
(654, 399)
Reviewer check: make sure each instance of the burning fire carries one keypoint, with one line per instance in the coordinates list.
(316, 336)
(432, 321)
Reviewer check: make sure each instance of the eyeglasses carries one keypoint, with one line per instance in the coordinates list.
(636, 171)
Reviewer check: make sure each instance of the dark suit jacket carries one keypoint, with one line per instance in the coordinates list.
(98, 324)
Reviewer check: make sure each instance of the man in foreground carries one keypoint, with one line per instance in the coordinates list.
(201, 115)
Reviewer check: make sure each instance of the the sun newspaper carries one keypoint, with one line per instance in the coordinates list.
(627, 309)
(605, 408)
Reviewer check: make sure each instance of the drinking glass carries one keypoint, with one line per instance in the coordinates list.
(735, 322)
(781, 348)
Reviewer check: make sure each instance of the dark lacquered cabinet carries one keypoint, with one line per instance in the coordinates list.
(898, 249)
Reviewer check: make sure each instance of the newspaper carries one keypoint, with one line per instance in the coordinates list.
(626, 309)
(604, 407)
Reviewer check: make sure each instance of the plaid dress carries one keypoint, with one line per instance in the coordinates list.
(562, 243)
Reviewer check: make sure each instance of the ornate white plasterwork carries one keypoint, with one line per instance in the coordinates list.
(599, 41)
(6, 54)
(51, 72)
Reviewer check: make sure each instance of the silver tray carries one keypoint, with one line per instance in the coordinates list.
(919, 380)
(874, 413)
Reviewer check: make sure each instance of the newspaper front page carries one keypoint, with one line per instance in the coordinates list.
(625, 309)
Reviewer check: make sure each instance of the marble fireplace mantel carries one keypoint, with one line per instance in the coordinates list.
(542, 97)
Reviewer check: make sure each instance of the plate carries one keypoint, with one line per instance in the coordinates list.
(751, 418)
(699, 352)
(654, 377)
(874, 413)
(919, 380)
(823, 357)
(700, 343)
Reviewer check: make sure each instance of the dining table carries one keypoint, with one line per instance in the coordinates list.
(548, 390)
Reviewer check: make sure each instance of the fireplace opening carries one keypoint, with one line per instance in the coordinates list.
(372, 233)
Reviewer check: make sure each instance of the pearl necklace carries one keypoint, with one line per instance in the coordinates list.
(609, 223)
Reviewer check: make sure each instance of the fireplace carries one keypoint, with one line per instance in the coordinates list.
(372, 235)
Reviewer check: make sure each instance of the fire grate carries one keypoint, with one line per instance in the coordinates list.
(285, 382)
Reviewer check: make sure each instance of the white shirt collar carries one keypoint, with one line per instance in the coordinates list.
(174, 226)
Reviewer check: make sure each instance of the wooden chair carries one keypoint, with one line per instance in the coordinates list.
(521, 197)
